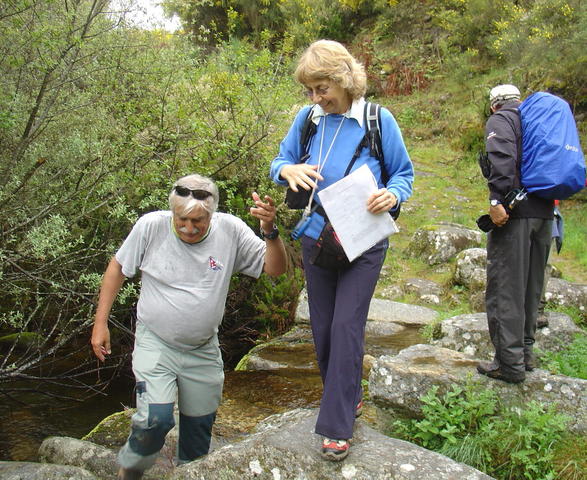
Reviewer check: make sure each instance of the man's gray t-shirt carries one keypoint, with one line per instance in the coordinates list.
(184, 286)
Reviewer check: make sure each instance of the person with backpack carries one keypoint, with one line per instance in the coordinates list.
(517, 244)
(339, 294)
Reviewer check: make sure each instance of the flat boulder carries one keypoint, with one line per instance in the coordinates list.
(42, 471)
(380, 310)
(399, 381)
(99, 460)
(284, 447)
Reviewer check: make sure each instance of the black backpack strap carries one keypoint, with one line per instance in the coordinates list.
(371, 139)
(308, 131)
(373, 126)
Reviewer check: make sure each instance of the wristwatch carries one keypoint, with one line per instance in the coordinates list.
(272, 235)
(494, 202)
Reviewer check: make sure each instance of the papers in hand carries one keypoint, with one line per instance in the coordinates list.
(345, 203)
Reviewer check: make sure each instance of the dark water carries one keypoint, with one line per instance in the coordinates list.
(23, 426)
(248, 398)
(247, 395)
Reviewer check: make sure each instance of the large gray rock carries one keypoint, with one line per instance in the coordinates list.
(471, 268)
(101, 461)
(380, 310)
(71, 451)
(561, 292)
(286, 448)
(469, 334)
(42, 471)
(399, 382)
(439, 243)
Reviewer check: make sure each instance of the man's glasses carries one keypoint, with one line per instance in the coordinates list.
(320, 91)
(186, 192)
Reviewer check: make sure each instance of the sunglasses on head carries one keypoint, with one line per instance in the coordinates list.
(186, 192)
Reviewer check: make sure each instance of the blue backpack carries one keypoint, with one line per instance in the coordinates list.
(553, 165)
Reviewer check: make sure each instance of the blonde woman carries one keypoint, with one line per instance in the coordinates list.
(339, 298)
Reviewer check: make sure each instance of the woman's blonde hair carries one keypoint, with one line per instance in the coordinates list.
(327, 59)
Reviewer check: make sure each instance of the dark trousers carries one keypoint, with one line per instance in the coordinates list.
(339, 304)
(516, 257)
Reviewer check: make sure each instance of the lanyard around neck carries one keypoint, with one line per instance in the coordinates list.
(322, 161)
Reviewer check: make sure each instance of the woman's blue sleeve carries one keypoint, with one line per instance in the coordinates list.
(290, 149)
(397, 161)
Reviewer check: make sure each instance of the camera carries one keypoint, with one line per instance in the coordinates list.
(513, 198)
(301, 226)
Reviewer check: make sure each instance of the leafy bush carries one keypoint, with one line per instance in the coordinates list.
(447, 418)
(99, 121)
(470, 425)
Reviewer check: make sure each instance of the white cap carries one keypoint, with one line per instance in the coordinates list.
(503, 93)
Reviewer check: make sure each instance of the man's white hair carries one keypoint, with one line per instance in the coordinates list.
(184, 205)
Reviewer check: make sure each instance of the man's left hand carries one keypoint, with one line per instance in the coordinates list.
(264, 211)
(498, 215)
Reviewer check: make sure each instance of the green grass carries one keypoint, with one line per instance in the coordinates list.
(575, 221)
(570, 361)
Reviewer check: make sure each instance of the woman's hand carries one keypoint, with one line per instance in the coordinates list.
(381, 201)
(300, 175)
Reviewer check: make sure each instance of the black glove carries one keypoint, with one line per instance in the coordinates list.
(485, 224)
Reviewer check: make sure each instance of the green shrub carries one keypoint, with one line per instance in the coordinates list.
(469, 425)
(457, 413)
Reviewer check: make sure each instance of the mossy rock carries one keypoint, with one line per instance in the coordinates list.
(113, 431)
(22, 340)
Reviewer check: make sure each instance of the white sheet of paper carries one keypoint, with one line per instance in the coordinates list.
(345, 203)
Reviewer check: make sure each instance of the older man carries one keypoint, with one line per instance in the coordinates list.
(186, 257)
(517, 248)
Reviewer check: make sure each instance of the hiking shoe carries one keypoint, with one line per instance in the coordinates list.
(529, 361)
(493, 371)
(335, 450)
(129, 474)
(359, 409)
(541, 321)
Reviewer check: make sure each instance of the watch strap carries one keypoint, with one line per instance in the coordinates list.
(272, 235)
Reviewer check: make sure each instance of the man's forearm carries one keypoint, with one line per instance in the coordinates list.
(111, 284)
(275, 257)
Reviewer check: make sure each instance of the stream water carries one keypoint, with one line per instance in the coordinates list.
(249, 396)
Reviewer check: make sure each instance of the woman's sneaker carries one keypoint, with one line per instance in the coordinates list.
(359, 409)
(335, 450)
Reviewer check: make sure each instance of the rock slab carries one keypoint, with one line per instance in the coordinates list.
(285, 448)
(42, 471)
(399, 382)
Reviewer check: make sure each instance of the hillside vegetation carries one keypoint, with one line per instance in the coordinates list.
(97, 119)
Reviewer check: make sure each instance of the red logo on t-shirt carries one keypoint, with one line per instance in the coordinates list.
(215, 264)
